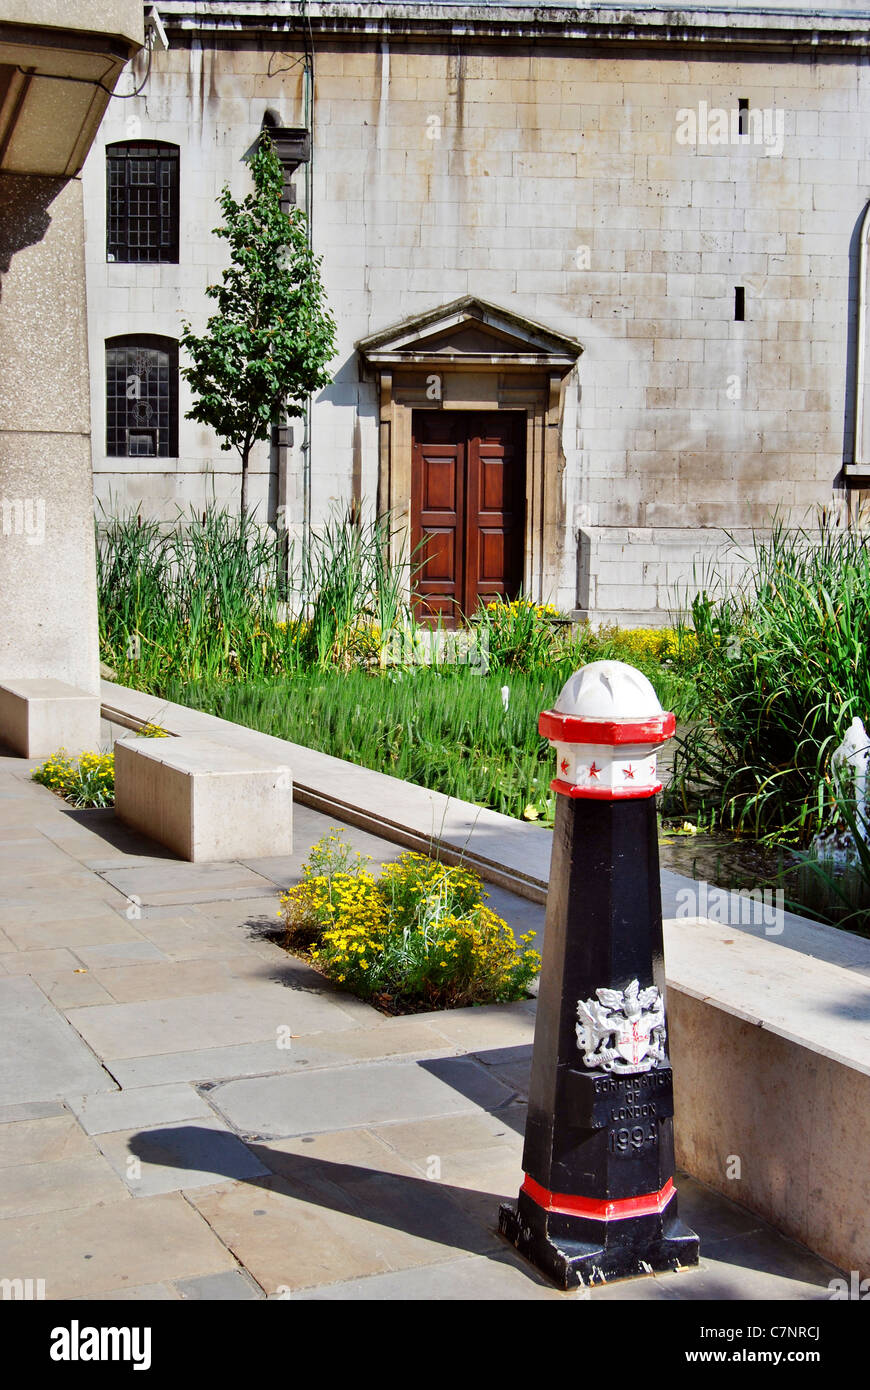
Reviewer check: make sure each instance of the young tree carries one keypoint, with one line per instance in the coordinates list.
(268, 345)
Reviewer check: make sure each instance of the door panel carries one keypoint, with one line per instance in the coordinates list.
(439, 484)
(495, 512)
(467, 509)
(491, 556)
(437, 489)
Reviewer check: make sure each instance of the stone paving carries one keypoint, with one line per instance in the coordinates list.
(187, 1112)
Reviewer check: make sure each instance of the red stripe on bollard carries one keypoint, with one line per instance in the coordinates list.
(596, 1209)
(570, 728)
(603, 793)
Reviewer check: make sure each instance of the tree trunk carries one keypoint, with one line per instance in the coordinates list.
(245, 456)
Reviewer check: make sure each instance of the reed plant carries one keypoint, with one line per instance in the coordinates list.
(782, 669)
(208, 598)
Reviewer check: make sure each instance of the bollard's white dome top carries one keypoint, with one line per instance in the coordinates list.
(608, 690)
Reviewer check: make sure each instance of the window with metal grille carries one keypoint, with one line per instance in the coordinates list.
(141, 397)
(142, 201)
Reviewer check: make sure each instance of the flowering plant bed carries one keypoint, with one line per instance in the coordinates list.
(418, 937)
(88, 780)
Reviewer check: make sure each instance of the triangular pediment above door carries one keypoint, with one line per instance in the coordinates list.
(470, 332)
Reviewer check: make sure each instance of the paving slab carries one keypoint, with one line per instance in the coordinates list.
(368, 1094)
(406, 1038)
(99, 928)
(39, 908)
(172, 938)
(57, 880)
(48, 1139)
(233, 1286)
(83, 1253)
(176, 1157)
(72, 988)
(194, 1022)
(331, 1221)
(721, 1220)
(138, 949)
(494, 1026)
(141, 1293)
(43, 1057)
(176, 881)
(206, 1065)
(37, 1110)
(35, 855)
(286, 1243)
(512, 1065)
(61, 1185)
(124, 984)
(730, 1271)
(450, 1136)
(52, 958)
(492, 1277)
(397, 1037)
(138, 1109)
(252, 911)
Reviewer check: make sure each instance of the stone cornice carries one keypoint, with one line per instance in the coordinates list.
(714, 28)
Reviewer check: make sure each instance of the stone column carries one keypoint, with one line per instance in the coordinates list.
(48, 604)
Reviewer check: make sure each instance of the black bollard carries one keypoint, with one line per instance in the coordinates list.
(598, 1201)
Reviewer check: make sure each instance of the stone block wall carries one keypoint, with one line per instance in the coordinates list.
(554, 180)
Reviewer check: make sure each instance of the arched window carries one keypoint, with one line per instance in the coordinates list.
(142, 201)
(141, 397)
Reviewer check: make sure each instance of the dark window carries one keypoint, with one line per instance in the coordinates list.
(142, 201)
(743, 116)
(739, 303)
(141, 397)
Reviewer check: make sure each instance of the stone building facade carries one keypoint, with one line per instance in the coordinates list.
(617, 252)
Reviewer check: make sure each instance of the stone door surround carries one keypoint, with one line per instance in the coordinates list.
(473, 355)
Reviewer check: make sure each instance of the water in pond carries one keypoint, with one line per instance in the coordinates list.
(722, 861)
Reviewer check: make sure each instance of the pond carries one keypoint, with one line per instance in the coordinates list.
(723, 861)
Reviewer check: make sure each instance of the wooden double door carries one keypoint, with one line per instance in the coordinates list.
(468, 502)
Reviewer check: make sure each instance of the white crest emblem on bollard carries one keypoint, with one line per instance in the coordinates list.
(622, 1030)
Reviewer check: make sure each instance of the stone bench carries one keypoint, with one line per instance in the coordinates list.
(38, 717)
(204, 799)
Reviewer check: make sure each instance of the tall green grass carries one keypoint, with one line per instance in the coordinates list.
(209, 598)
(198, 598)
(783, 667)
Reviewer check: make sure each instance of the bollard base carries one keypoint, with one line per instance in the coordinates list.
(574, 1252)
